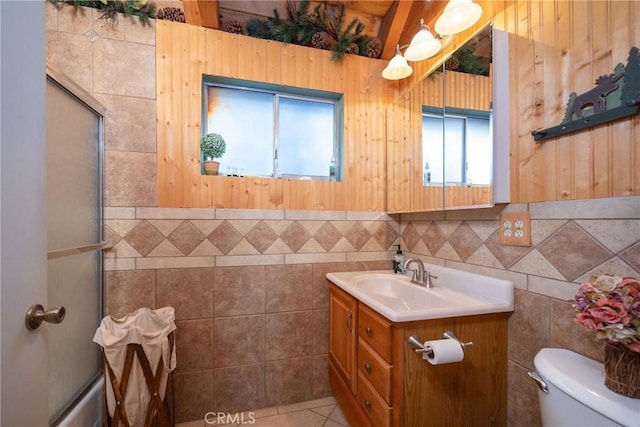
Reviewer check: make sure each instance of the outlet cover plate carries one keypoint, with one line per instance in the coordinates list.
(515, 229)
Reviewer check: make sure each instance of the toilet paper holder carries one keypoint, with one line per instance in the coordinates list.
(415, 343)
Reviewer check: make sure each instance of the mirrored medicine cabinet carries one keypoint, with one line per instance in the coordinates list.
(447, 133)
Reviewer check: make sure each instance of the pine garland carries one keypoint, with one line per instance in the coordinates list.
(143, 9)
(300, 27)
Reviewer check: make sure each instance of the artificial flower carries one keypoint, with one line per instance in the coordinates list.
(610, 305)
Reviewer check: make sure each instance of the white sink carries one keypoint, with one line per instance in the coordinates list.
(455, 293)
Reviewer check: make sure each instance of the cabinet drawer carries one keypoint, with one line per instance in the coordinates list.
(375, 369)
(374, 406)
(375, 330)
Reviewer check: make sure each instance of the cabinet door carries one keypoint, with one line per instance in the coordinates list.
(342, 334)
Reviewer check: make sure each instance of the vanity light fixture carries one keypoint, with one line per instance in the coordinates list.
(397, 68)
(458, 15)
(423, 45)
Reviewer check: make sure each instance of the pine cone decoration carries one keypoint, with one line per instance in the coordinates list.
(353, 49)
(452, 64)
(321, 40)
(171, 14)
(235, 27)
(374, 48)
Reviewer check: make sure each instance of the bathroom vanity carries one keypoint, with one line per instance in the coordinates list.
(379, 380)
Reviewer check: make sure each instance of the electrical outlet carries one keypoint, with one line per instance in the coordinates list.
(515, 229)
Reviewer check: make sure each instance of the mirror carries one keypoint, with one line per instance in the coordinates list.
(447, 121)
(465, 125)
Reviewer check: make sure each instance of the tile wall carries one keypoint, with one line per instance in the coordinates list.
(249, 291)
(570, 241)
(249, 335)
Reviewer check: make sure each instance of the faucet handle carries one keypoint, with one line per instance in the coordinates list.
(427, 278)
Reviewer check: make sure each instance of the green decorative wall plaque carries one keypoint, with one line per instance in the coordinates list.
(615, 96)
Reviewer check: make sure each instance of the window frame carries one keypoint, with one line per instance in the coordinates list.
(456, 113)
(289, 92)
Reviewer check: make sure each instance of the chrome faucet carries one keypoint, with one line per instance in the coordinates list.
(420, 276)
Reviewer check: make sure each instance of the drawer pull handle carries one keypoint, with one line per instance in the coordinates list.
(367, 367)
(368, 330)
(367, 404)
(349, 320)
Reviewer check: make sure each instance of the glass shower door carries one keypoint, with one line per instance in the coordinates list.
(74, 236)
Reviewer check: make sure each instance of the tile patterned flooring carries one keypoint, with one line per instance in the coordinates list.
(313, 413)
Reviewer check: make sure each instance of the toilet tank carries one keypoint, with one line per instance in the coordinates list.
(577, 395)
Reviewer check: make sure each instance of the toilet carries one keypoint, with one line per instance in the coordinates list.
(575, 392)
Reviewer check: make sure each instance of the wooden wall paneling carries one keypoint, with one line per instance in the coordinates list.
(582, 56)
(543, 160)
(564, 165)
(635, 141)
(621, 136)
(302, 62)
(358, 146)
(573, 45)
(526, 100)
(192, 51)
(398, 182)
(602, 64)
(198, 183)
(635, 135)
(549, 105)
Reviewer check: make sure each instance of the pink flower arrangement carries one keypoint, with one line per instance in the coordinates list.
(610, 305)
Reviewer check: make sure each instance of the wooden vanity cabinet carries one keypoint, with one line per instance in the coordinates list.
(388, 384)
(342, 336)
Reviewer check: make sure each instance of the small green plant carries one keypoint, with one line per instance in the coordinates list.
(213, 146)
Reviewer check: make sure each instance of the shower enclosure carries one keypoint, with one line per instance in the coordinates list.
(74, 240)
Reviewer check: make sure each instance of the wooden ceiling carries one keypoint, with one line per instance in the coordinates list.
(393, 22)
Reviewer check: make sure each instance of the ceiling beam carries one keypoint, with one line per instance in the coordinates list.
(203, 13)
(391, 27)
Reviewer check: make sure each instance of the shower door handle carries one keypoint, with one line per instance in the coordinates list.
(37, 314)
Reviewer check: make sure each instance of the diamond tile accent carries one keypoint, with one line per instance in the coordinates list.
(572, 251)
(144, 238)
(410, 236)
(91, 36)
(434, 238)
(224, 237)
(186, 237)
(464, 241)
(327, 235)
(261, 236)
(110, 236)
(357, 235)
(386, 235)
(295, 236)
(632, 256)
(507, 255)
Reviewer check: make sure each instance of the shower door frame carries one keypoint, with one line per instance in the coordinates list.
(84, 97)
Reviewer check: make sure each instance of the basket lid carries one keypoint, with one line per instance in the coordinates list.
(583, 379)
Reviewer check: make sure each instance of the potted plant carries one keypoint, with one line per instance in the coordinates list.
(213, 147)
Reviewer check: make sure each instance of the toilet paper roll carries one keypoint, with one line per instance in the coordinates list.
(443, 351)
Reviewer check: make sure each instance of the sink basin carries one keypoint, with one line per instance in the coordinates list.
(455, 293)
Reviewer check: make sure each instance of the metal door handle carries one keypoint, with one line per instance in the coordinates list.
(36, 315)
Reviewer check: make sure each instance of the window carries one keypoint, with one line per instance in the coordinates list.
(457, 145)
(273, 130)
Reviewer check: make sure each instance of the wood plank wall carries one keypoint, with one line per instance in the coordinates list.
(556, 47)
(559, 47)
(185, 53)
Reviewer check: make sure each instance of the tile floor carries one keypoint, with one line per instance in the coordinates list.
(313, 413)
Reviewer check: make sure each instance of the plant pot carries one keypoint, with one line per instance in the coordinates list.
(211, 167)
(622, 369)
